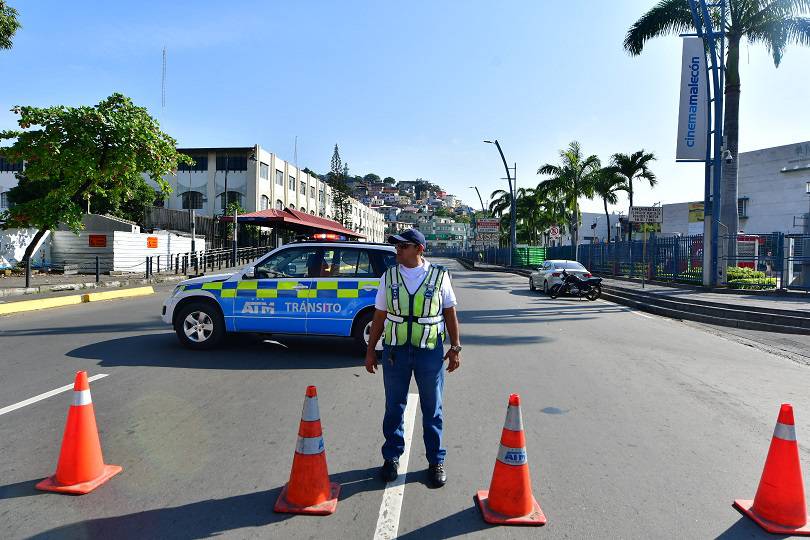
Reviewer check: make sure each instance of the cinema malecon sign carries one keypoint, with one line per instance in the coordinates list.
(692, 113)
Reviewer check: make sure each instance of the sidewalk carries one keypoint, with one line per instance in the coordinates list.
(785, 301)
(49, 284)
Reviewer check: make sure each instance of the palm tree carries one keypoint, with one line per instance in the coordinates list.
(500, 200)
(774, 23)
(631, 167)
(607, 184)
(572, 179)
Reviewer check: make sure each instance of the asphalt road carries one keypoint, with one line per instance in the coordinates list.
(637, 426)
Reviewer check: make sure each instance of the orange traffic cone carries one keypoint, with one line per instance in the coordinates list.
(779, 506)
(309, 490)
(509, 500)
(81, 468)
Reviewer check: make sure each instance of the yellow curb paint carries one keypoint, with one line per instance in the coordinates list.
(122, 293)
(42, 303)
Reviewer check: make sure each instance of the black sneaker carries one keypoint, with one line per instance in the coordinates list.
(437, 476)
(390, 470)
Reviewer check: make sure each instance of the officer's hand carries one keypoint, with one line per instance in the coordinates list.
(453, 360)
(371, 361)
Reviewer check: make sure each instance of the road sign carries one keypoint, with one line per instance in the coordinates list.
(646, 214)
(488, 225)
(554, 232)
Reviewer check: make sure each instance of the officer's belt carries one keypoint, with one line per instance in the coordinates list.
(418, 320)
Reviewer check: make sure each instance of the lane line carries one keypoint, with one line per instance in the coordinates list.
(641, 314)
(388, 520)
(46, 395)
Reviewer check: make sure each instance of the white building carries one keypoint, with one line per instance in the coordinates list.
(259, 180)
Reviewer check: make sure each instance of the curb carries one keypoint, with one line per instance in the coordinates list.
(61, 301)
(61, 287)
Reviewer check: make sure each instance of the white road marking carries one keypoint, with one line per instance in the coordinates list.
(46, 395)
(640, 314)
(388, 520)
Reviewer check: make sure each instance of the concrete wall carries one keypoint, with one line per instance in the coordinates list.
(13, 243)
(774, 181)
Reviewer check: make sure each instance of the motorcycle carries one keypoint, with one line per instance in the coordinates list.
(590, 288)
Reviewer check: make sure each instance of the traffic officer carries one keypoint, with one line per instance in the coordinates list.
(415, 306)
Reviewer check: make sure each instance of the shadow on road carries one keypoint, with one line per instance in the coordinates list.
(20, 489)
(745, 528)
(239, 352)
(211, 517)
(86, 329)
(459, 524)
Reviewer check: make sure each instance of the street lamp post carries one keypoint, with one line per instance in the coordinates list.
(483, 208)
(513, 205)
(716, 67)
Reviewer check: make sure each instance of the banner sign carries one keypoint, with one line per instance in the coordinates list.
(692, 113)
(695, 212)
(646, 214)
(488, 225)
(151, 242)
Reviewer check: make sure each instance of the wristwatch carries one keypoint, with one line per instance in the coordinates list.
(456, 348)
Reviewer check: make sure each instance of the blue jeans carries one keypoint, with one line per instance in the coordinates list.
(426, 365)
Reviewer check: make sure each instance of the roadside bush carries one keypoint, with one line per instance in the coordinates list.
(735, 273)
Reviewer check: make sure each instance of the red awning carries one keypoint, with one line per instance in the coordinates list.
(294, 220)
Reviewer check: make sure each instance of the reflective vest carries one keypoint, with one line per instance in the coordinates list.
(414, 318)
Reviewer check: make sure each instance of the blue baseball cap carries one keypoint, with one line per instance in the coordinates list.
(413, 236)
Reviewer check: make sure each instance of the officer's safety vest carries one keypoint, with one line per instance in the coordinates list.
(414, 318)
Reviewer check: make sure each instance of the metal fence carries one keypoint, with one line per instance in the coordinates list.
(763, 261)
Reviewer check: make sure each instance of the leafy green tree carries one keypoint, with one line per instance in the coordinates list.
(341, 193)
(573, 178)
(389, 181)
(635, 166)
(608, 183)
(774, 23)
(73, 154)
(9, 24)
(371, 178)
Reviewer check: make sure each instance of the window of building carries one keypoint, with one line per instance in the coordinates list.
(320, 195)
(279, 205)
(320, 214)
(200, 164)
(302, 209)
(7, 165)
(303, 188)
(279, 178)
(231, 163)
(292, 206)
(264, 171)
(292, 183)
(233, 197)
(265, 204)
(4, 199)
(192, 200)
(312, 212)
(742, 207)
(312, 192)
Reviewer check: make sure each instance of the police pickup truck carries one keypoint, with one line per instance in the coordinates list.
(306, 287)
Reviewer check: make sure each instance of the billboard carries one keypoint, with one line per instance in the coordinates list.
(646, 214)
(488, 225)
(692, 112)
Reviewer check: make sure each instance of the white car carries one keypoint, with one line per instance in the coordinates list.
(550, 274)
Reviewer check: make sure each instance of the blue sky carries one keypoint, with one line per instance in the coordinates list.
(407, 89)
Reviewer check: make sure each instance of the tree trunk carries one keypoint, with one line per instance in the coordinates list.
(32, 246)
(607, 216)
(731, 129)
(630, 196)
